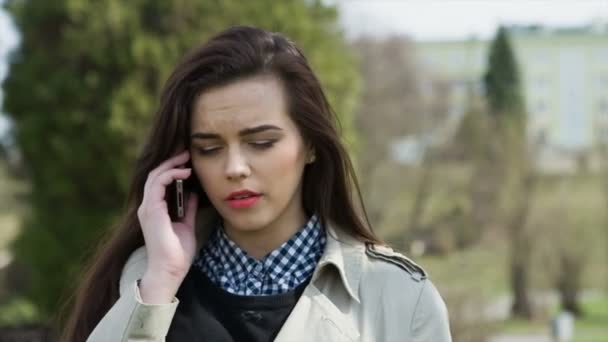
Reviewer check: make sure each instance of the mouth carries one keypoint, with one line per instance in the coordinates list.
(243, 199)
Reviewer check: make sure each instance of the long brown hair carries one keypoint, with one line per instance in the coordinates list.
(329, 184)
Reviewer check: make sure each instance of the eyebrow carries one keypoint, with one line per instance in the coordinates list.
(242, 133)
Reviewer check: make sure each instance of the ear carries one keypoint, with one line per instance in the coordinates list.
(311, 155)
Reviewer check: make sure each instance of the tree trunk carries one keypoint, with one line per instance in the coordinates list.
(568, 284)
(604, 161)
(519, 285)
(569, 301)
(521, 248)
(484, 191)
(422, 195)
(486, 180)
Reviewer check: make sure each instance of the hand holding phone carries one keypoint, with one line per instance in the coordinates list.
(170, 244)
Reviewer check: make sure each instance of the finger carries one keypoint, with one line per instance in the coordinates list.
(158, 187)
(192, 205)
(168, 164)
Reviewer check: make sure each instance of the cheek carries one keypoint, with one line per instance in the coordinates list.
(206, 173)
(286, 162)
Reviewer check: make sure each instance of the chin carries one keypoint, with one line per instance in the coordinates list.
(247, 222)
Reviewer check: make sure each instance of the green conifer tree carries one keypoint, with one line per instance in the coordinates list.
(83, 86)
(506, 107)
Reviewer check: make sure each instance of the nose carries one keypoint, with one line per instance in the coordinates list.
(237, 166)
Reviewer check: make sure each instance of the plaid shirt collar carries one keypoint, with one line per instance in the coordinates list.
(282, 270)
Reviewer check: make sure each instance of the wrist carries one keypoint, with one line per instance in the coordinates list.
(157, 289)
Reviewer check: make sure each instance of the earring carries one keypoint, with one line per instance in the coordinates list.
(312, 159)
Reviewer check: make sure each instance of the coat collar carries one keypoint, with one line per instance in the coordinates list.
(315, 308)
(342, 251)
(345, 253)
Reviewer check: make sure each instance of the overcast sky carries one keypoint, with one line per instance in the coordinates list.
(423, 20)
(8, 41)
(457, 19)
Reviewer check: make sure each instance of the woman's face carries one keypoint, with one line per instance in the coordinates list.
(244, 144)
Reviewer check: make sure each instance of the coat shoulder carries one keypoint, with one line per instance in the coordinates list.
(381, 254)
(393, 283)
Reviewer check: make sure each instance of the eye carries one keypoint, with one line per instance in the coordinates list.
(263, 144)
(207, 150)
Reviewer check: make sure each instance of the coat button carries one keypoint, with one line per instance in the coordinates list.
(252, 316)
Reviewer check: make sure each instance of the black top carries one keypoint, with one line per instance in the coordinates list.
(210, 314)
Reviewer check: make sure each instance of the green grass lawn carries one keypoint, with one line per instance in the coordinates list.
(593, 327)
(481, 267)
(567, 210)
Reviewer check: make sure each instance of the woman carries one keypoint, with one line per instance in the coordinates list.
(273, 248)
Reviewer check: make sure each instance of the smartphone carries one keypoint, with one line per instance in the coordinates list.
(176, 195)
(176, 200)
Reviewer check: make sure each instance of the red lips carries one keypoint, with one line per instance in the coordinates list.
(243, 199)
(241, 193)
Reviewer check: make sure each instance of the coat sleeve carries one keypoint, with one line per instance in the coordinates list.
(129, 319)
(430, 322)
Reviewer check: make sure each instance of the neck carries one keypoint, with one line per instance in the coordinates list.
(260, 242)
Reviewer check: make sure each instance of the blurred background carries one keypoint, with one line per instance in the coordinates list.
(479, 130)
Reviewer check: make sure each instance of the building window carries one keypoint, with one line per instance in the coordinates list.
(538, 57)
(430, 61)
(457, 58)
(540, 84)
(601, 55)
(479, 88)
(603, 107)
(540, 107)
(604, 134)
(603, 81)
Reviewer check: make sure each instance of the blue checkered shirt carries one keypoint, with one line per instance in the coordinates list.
(288, 266)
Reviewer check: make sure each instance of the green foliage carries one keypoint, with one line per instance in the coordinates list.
(82, 89)
(504, 98)
(17, 311)
(502, 79)
(515, 173)
(472, 134)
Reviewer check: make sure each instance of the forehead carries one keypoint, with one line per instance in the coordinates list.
(243, 103)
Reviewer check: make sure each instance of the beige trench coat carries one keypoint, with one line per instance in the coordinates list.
(357, 293)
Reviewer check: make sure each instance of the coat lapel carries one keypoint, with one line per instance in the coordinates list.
(316, 317)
